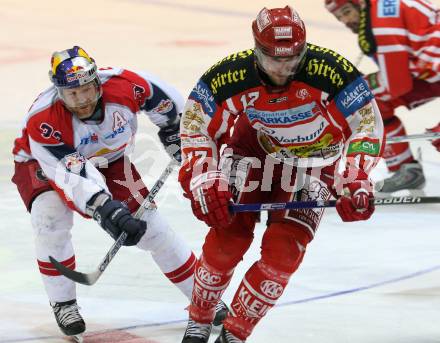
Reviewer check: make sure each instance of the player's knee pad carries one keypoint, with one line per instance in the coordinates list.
(51, 219)
(224, 249)
(159, 235)
(283, 246)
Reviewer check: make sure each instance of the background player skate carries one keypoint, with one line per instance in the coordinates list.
(284, 109)
(71, 156)
(402, 38)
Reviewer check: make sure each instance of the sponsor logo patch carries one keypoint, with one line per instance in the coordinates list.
(283, 32)
(164, 106)
(263, 19)
(302, 94)
(365, 146)
(288, 116)
(229, 77)
(206, 277)
(353, 97)
(271, 289)
(91, 138)
(388, 8)
(203, 95)
(74, 162)
(283, 51)
(277, 100)
(138, 92)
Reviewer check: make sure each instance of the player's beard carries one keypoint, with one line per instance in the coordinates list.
(85, 111)
(353, 26)
(279, 80)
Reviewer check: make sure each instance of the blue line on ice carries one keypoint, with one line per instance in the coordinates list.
(287, 303)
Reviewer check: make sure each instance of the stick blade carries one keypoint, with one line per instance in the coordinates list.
(85, 279)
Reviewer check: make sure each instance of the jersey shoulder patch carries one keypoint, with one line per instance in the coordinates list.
(128, 89)
(231, 75)
(326, 70)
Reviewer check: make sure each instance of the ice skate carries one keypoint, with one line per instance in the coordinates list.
(227, 337)
(196, 332)
(409, 177)
(69, 319)
(221, 310)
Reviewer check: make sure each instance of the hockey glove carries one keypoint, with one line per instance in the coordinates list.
(115, 218)
(210, 197)
(355, 203)
(170, 138)
(435, 142)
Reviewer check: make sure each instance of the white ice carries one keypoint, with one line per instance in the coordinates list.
(375, 281)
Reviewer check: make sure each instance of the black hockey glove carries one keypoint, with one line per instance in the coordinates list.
(115, 218)
(170, 138)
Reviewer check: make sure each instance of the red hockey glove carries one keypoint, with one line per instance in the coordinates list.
(210, 197)
(355, 204)
(435, 142)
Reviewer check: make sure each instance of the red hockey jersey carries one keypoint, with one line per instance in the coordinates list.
(403, 37)
(326, 112)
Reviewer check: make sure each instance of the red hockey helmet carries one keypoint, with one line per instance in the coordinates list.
(333, 5)
(279, 32)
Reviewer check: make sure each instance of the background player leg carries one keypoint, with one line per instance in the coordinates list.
(408, 172)
(170, 252)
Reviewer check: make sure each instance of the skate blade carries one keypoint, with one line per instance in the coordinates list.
(77, 338)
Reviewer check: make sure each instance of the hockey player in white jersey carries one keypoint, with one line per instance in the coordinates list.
(76, 132)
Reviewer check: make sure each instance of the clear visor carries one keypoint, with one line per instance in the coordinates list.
(279, 66)
(82, 96)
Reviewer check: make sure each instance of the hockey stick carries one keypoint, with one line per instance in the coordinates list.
(400, 139)
(91, 278)
(359, 60)
(235, 208)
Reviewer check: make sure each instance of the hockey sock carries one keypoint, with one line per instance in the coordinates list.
(258, 292)
(178, 268)
(209, 286)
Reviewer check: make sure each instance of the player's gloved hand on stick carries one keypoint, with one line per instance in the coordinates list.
(355, 203)
(115, 218)
(210, 198)
(435, 142)
(170, 138)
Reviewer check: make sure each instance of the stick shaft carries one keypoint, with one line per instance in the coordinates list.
(257, 207)
(409, 138)
(91, 278)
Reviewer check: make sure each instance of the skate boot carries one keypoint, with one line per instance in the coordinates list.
(227, 337)
(68, 319)
(196, 332)
(221, 310)
(410, 176)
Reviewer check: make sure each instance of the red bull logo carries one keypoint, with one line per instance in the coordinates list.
(74, 69)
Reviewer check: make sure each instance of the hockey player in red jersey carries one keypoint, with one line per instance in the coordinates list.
(402, 36)
(72, 156)
(286, 121)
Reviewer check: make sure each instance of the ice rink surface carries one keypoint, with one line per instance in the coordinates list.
(376, 281)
